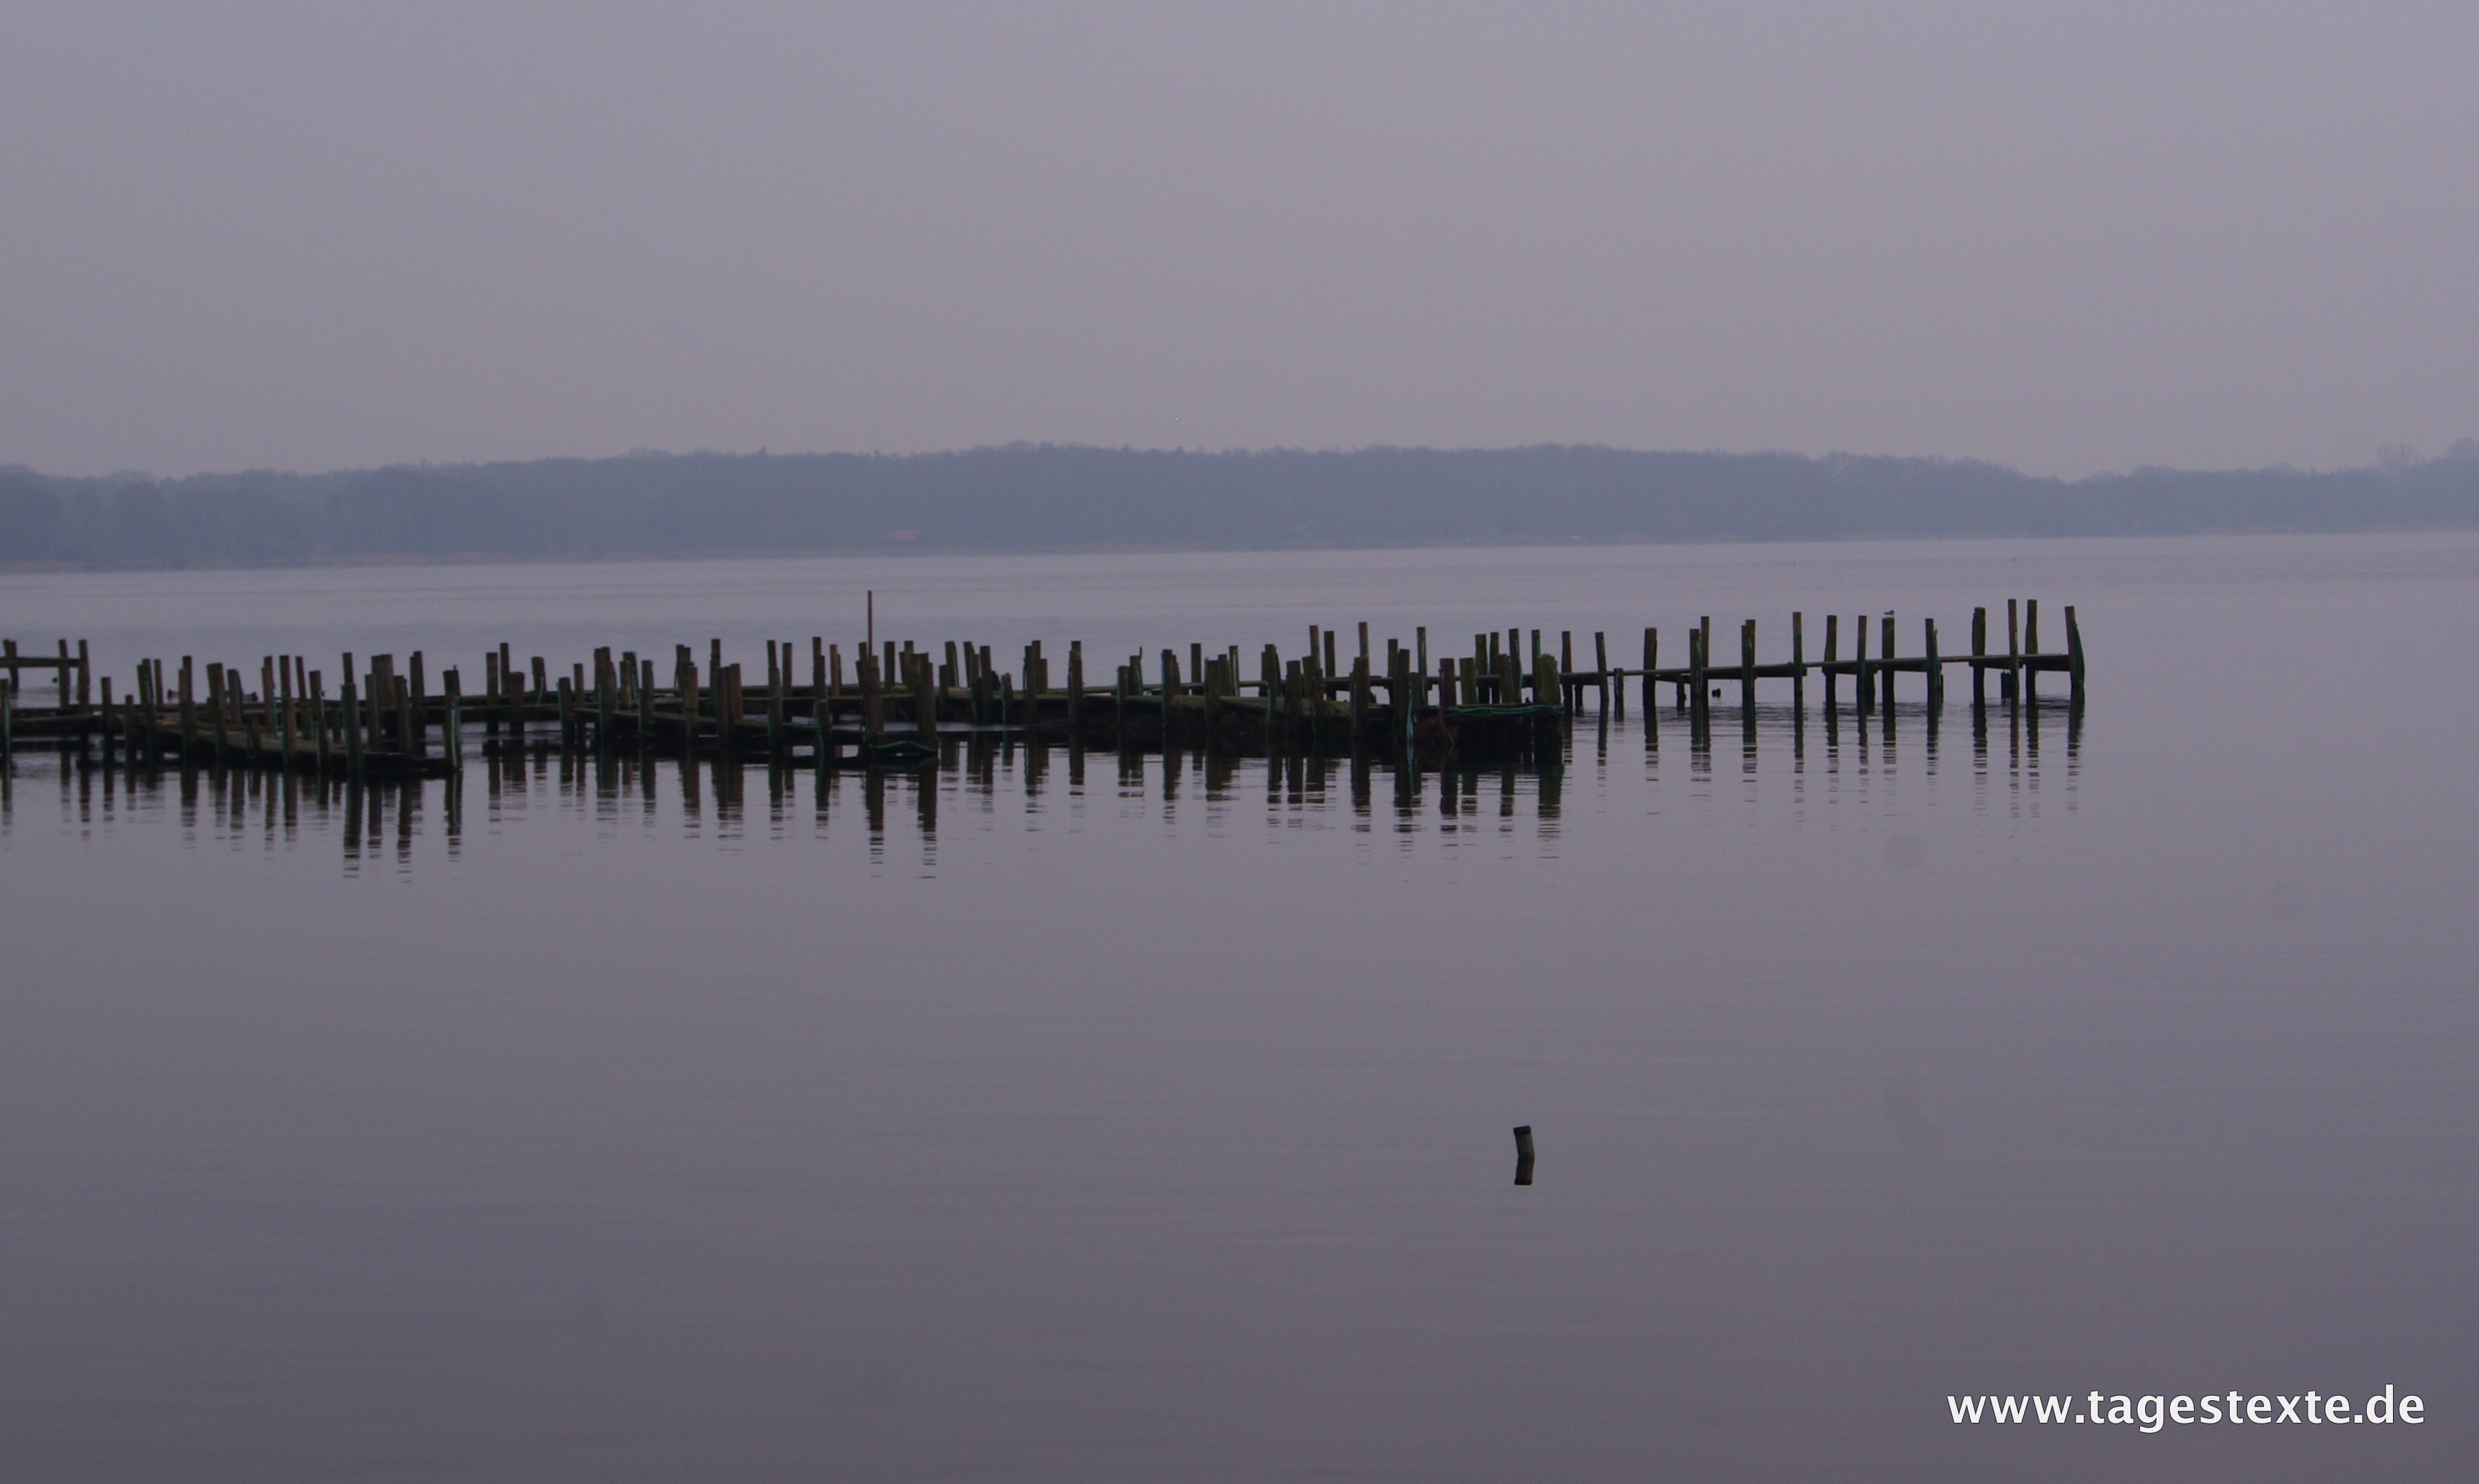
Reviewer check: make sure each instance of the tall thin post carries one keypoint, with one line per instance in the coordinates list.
(1748, 667)
(454, 686)
(1889, 660)
(1936, 671)
(2032, 649)
(2012, 686)
(1978, 657)
(2074, 659)
(352, 725)
(1797, 664)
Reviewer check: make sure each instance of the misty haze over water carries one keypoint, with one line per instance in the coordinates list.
(1028, 497)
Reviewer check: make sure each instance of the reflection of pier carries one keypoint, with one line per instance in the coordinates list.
(1507, 702)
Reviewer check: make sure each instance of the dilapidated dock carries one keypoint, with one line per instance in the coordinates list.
(1508, 700)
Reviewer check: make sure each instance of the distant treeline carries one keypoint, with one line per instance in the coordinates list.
(1029, 497)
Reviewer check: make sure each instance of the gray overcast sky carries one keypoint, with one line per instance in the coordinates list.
(2066, 237)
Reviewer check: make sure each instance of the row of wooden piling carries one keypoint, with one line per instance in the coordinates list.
(1505, 700)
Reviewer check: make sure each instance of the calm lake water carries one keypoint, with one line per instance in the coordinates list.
(1067, 1119)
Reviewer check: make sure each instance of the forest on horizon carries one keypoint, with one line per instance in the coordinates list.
(1038, 497)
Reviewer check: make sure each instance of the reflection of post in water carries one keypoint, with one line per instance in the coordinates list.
(925, 790)
(453, 800)
(1221, 768)
(352, 821)
(1523, 1155)
(689, 784)
(1037, 770)
(1551, 782)
(1075, 762)
(1407, 787)
(407, 794)
(2074, 730)
(873, 798)
(2013, 732)
(1506, 793)
(1979, 741)
(1361, 769)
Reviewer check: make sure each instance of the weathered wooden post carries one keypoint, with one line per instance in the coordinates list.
(352, 724)
(688, 672)
(189, 708)
(1748, 667)
(1696, 638)
(454, 687)
(1797, 664)
(1936, 671)
(1888, 636)
(284, 713)
(2032, 650)
(1075, 693)
(1978, 657)
(414, 715)
(2012, 686)
(606, 702)
(2074, 659)
(217, 685)
(319, 720)
(1652, 663)
(140, 723)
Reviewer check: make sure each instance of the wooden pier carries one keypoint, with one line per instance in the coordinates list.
(1508, 700)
